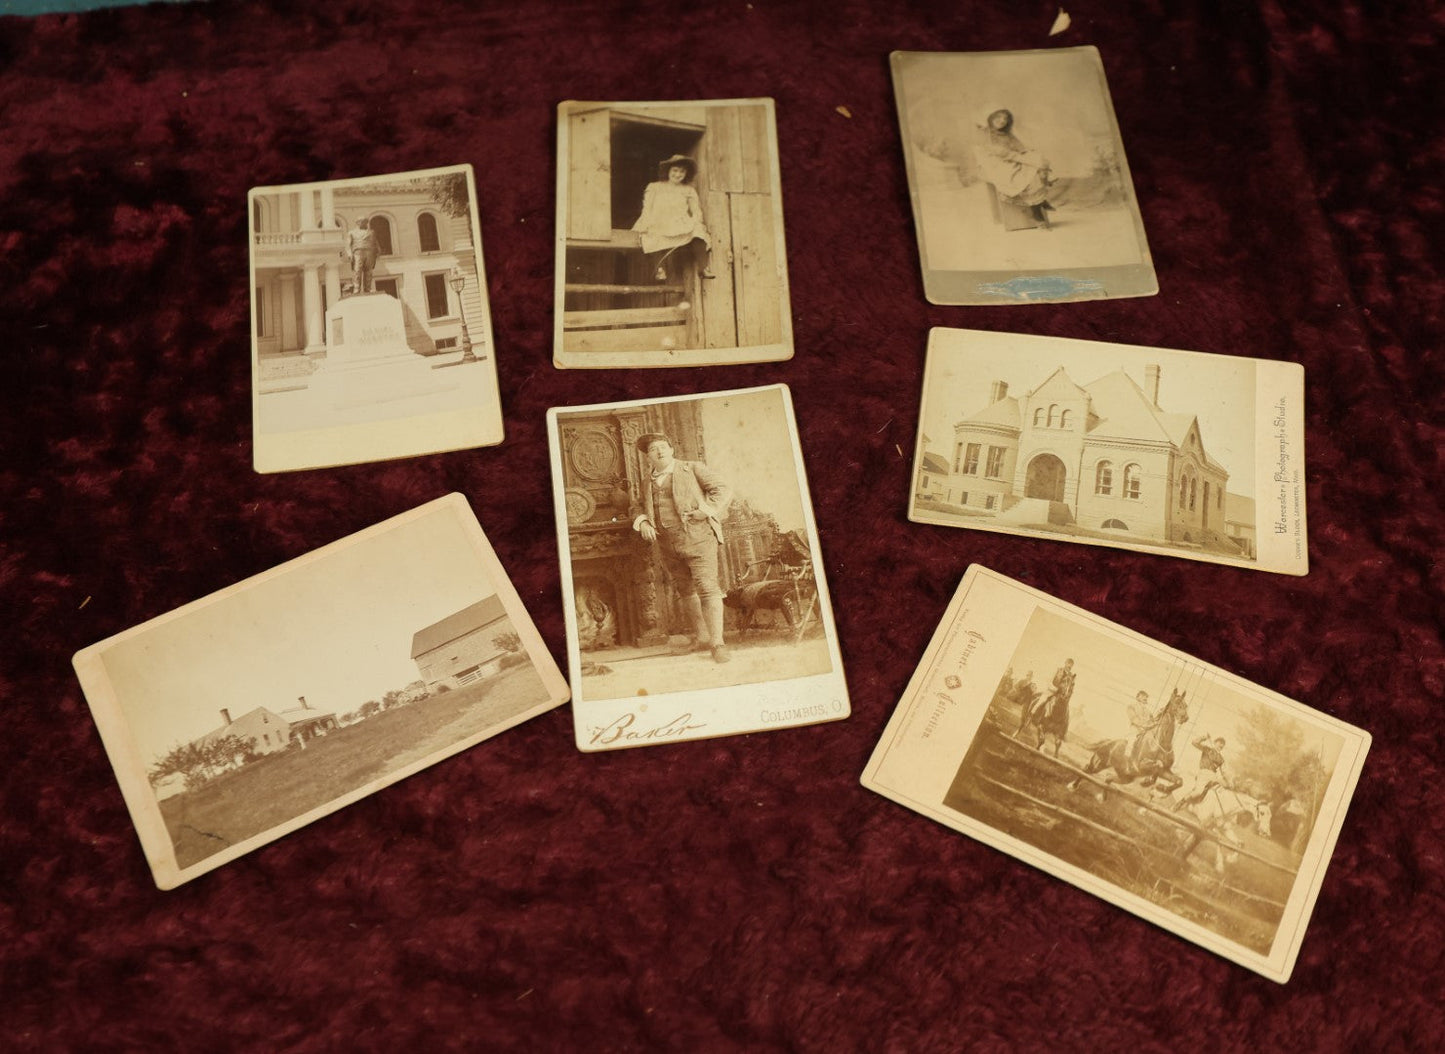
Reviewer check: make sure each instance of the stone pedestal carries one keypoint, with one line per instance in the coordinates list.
(368, 361)
(364, 329)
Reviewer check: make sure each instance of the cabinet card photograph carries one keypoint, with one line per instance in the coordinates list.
(1162, 784)
(370, 331)
(670, 235)
(693, 583)
(251, 712)
(1173, 452)
(1021, 192)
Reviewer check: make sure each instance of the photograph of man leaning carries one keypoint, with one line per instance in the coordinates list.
(681, 510)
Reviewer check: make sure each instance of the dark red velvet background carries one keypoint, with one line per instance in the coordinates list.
(743, 893)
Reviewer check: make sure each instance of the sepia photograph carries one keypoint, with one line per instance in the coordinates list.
(249, 713)
(1164, 784)
(1021, 191)
(1174, 452)
(669, 235)
(371, 331)
(695, 599)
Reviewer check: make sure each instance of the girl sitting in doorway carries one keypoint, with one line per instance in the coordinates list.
(672, 218)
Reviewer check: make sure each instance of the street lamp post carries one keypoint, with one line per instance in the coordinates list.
(457, 280)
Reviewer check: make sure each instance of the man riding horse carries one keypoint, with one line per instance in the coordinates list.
(1051, 714)
(1147, 757)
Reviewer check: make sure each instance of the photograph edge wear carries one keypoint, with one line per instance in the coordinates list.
(1132, 468)
(341, 375)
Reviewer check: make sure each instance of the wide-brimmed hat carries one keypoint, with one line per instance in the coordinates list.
(680, 160)
(648, 438)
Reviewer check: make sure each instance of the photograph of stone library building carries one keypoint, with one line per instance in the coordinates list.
(1102, 459)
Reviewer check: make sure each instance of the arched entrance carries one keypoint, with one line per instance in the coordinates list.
(1045, 478)
(1114, 525)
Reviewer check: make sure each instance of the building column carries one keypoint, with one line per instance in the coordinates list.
(315, 324)
(328, 207)
(332, 277)
(286, 329)
(308, 210)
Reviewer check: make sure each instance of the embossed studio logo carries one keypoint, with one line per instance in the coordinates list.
(1042, 287)
(952, 681)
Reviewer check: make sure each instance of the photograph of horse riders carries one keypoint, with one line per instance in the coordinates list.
(1150, 772)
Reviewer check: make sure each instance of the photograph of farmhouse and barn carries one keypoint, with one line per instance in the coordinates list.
(276, 761)
(324, 680)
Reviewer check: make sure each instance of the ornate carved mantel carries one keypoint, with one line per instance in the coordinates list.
(603, 475)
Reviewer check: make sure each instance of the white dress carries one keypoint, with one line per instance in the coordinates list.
(1019, 174)
(671, 216)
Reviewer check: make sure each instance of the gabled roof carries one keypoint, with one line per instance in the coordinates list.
(934, 463)
(482, 613)
(225, 730)
(1125, 412)
(1119, 407)
(1178, 426)
(301, 715)
(1059, 383)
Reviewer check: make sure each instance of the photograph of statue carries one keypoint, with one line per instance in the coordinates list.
(372, 333)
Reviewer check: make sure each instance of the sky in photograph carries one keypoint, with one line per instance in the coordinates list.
(748, 442)
(1111, 670)
(1218, 389)
(337, 630)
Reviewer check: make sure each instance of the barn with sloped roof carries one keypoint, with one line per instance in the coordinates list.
(463, 647)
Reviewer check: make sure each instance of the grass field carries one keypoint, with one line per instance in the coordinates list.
(278, 787)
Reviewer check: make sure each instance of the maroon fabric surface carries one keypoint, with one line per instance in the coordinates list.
(742, 893)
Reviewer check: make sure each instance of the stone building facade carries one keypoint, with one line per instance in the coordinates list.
(301, 271)
(1103, 456)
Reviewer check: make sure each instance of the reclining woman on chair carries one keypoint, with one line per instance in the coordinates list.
(672, 218)
(1020, 175)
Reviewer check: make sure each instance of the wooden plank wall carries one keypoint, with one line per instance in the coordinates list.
(715, 316)
(738, 205)
(589, 178)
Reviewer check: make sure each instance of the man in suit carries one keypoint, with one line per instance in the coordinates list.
(681, 510)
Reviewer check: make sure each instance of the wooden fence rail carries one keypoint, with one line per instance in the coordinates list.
(1200, 833)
